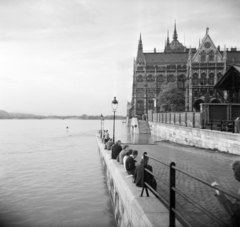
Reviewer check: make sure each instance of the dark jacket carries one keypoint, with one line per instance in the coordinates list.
(116, 149)
(130, 165)
(232, 208)
(138, 176)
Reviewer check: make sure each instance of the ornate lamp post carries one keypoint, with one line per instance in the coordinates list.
(114, 107)
(101, 125)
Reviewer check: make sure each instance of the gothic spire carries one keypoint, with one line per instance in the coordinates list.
(140, 46)
(168, 38)
(175, 36)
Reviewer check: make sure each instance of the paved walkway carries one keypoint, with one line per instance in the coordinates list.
(205, 164)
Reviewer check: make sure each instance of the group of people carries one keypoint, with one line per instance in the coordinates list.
(127, 157)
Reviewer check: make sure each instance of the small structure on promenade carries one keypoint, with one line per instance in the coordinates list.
(228, 86)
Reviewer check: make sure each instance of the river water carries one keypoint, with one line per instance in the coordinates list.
(51, 175)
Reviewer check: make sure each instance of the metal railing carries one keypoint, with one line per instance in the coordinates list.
(170, 202)
(220, 125)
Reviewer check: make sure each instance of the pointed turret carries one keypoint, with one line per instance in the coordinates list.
(168, 38)
(175, 36)
(225, 59)
(190, 55)
(140, 46)
(140, 56)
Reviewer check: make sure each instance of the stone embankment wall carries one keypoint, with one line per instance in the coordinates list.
(210, 139)
(130, 209)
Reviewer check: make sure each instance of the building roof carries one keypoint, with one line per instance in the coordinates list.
(230, 80)
(233, 57)
(166, 58)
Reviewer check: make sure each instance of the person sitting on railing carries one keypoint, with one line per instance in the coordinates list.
(108, 144)
(116, 149)
(138, 175)
(128, 153)
(130, 162)
(232, 208)
(122, 154)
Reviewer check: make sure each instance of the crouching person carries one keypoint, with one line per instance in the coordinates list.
(138, 175)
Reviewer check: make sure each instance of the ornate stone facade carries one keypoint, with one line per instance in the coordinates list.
(196, 70)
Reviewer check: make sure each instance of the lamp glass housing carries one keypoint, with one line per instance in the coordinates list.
(114, 104)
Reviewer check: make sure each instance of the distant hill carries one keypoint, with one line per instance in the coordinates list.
(5, 115)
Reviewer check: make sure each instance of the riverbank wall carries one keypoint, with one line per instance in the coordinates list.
(209, 139)
(131, 210)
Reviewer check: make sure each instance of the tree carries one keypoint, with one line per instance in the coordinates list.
(170, 96)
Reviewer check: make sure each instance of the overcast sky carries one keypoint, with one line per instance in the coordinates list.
(71, 57)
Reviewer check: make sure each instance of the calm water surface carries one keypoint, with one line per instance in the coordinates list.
(51, 176)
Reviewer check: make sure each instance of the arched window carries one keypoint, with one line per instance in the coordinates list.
(150, 104)
(211, 79)
(160, 78)
(211, 55)
(195, 79)
(150, 78)
(203, 79)
(203, 56)
(181, 81)
(170, 78)
(139, 104)
(139, 78)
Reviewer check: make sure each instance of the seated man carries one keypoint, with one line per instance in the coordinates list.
(108, 144)
(116, 149)
(138, 175)
(130, 163)
(122, 154)
(128, 153)
(231, 207)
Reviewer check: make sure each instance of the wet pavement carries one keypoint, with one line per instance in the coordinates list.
(205, 164)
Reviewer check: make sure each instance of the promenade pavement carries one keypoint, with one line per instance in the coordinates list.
(202, 163)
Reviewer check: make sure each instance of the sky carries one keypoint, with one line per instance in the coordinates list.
(72, 57)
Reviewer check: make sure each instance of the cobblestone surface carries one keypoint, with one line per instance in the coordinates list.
(205, 164)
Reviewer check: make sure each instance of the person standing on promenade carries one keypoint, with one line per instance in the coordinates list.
(122, 154)
(138, 179)
(116, 149)
(237, 125)
(232, 208)
(103, 136)
(106, 136)
(130, 162)
(128, 153)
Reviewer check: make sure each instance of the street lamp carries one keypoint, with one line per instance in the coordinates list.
(114, 107)
(101, 124)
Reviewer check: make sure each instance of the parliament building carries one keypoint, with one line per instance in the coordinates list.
(196, 71)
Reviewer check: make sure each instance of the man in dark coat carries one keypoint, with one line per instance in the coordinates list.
(149, 178)
(116, 149)
(130, 163)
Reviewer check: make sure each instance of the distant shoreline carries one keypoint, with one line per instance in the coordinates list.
(4, 115)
